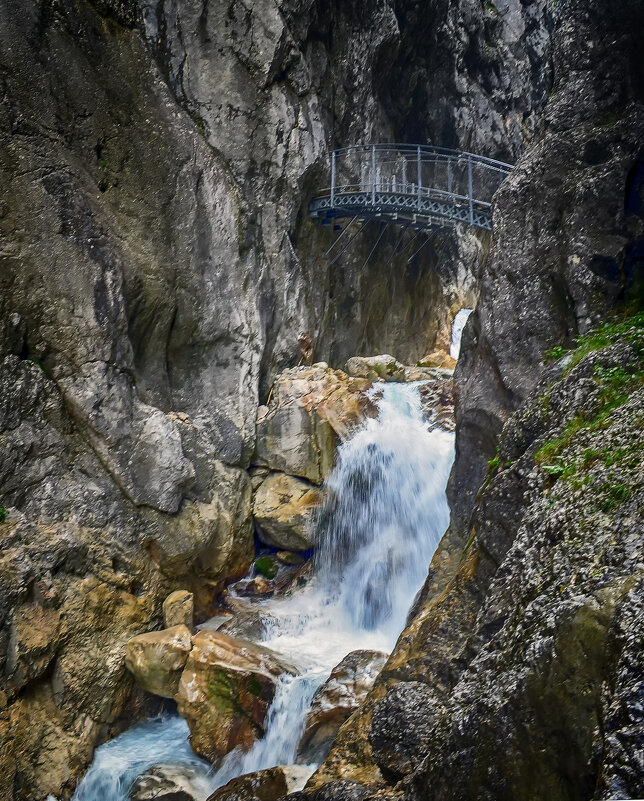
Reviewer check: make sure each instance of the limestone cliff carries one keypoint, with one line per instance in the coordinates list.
(518, 675)
(156, 267)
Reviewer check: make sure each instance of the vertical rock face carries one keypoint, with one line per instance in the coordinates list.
(568, 226)
(157, 266)
(520, 637)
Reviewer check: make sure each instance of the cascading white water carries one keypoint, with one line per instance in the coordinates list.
(457, 331)
(384, 515)
(163, 740)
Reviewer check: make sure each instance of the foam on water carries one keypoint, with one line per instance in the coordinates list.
(383, 518)
(162, 740)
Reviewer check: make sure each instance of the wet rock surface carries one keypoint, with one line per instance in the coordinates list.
(401, 728)
(225, 691)
(264, 785)
(336, 700)
(166, 783)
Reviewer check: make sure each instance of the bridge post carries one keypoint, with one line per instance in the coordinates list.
(404, 175)
(449, 175)
(469, 189)
(420, 179)
(373, 175)
(333, 179)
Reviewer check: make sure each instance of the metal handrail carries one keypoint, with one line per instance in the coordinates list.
(445, 151)
(423, 173)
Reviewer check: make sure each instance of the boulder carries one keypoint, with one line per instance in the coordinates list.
(166, 783)
(178, 609)
(336, 700)
(401, 728)
(249, 622)
(375, 368)
(283, 507)
(310, 409)
(225, 691)
(262, 785)
(438, 358)
(157, 658)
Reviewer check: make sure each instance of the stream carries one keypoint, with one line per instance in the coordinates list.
(385, 513)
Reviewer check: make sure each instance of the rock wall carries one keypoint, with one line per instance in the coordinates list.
(516, 677)
(156, 267)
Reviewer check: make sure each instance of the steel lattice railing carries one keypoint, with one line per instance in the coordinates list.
(417, 185)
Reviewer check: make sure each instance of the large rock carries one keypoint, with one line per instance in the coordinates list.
(262, 785)
(336, 700)
(156, 659)
(225, 691)
(178, 609)
(167, 783)
(401, 728)
(376, 368)
(311, 409)
(283, 508)
(438, 358)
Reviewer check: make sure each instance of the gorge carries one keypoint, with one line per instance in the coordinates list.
(157, 265)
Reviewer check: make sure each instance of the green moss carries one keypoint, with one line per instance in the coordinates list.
(629, 328)
(266, 566)
(254, 687)
(3, 514)
(554, 354)
(221, 691)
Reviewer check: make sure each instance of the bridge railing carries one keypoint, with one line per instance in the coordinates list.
(415, 171)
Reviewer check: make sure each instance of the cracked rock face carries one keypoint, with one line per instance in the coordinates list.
(520, 633)
(156, 269)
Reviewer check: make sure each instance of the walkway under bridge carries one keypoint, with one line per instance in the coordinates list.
(417, 186)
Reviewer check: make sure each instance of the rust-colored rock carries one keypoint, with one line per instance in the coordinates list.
(225, 691)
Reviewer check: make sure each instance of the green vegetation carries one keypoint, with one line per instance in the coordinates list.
(616, 384)
(3, 514)
(266, 566)
(627, 329)
(613, 495)
(554, 354)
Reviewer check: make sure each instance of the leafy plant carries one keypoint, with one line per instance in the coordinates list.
(3, 514)
(554, 354)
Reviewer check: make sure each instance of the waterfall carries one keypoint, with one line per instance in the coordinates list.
(457, 331)
(383, 517)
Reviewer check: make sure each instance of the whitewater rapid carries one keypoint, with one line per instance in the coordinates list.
(384, 515)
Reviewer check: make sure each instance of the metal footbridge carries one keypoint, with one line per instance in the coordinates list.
(417, 186)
